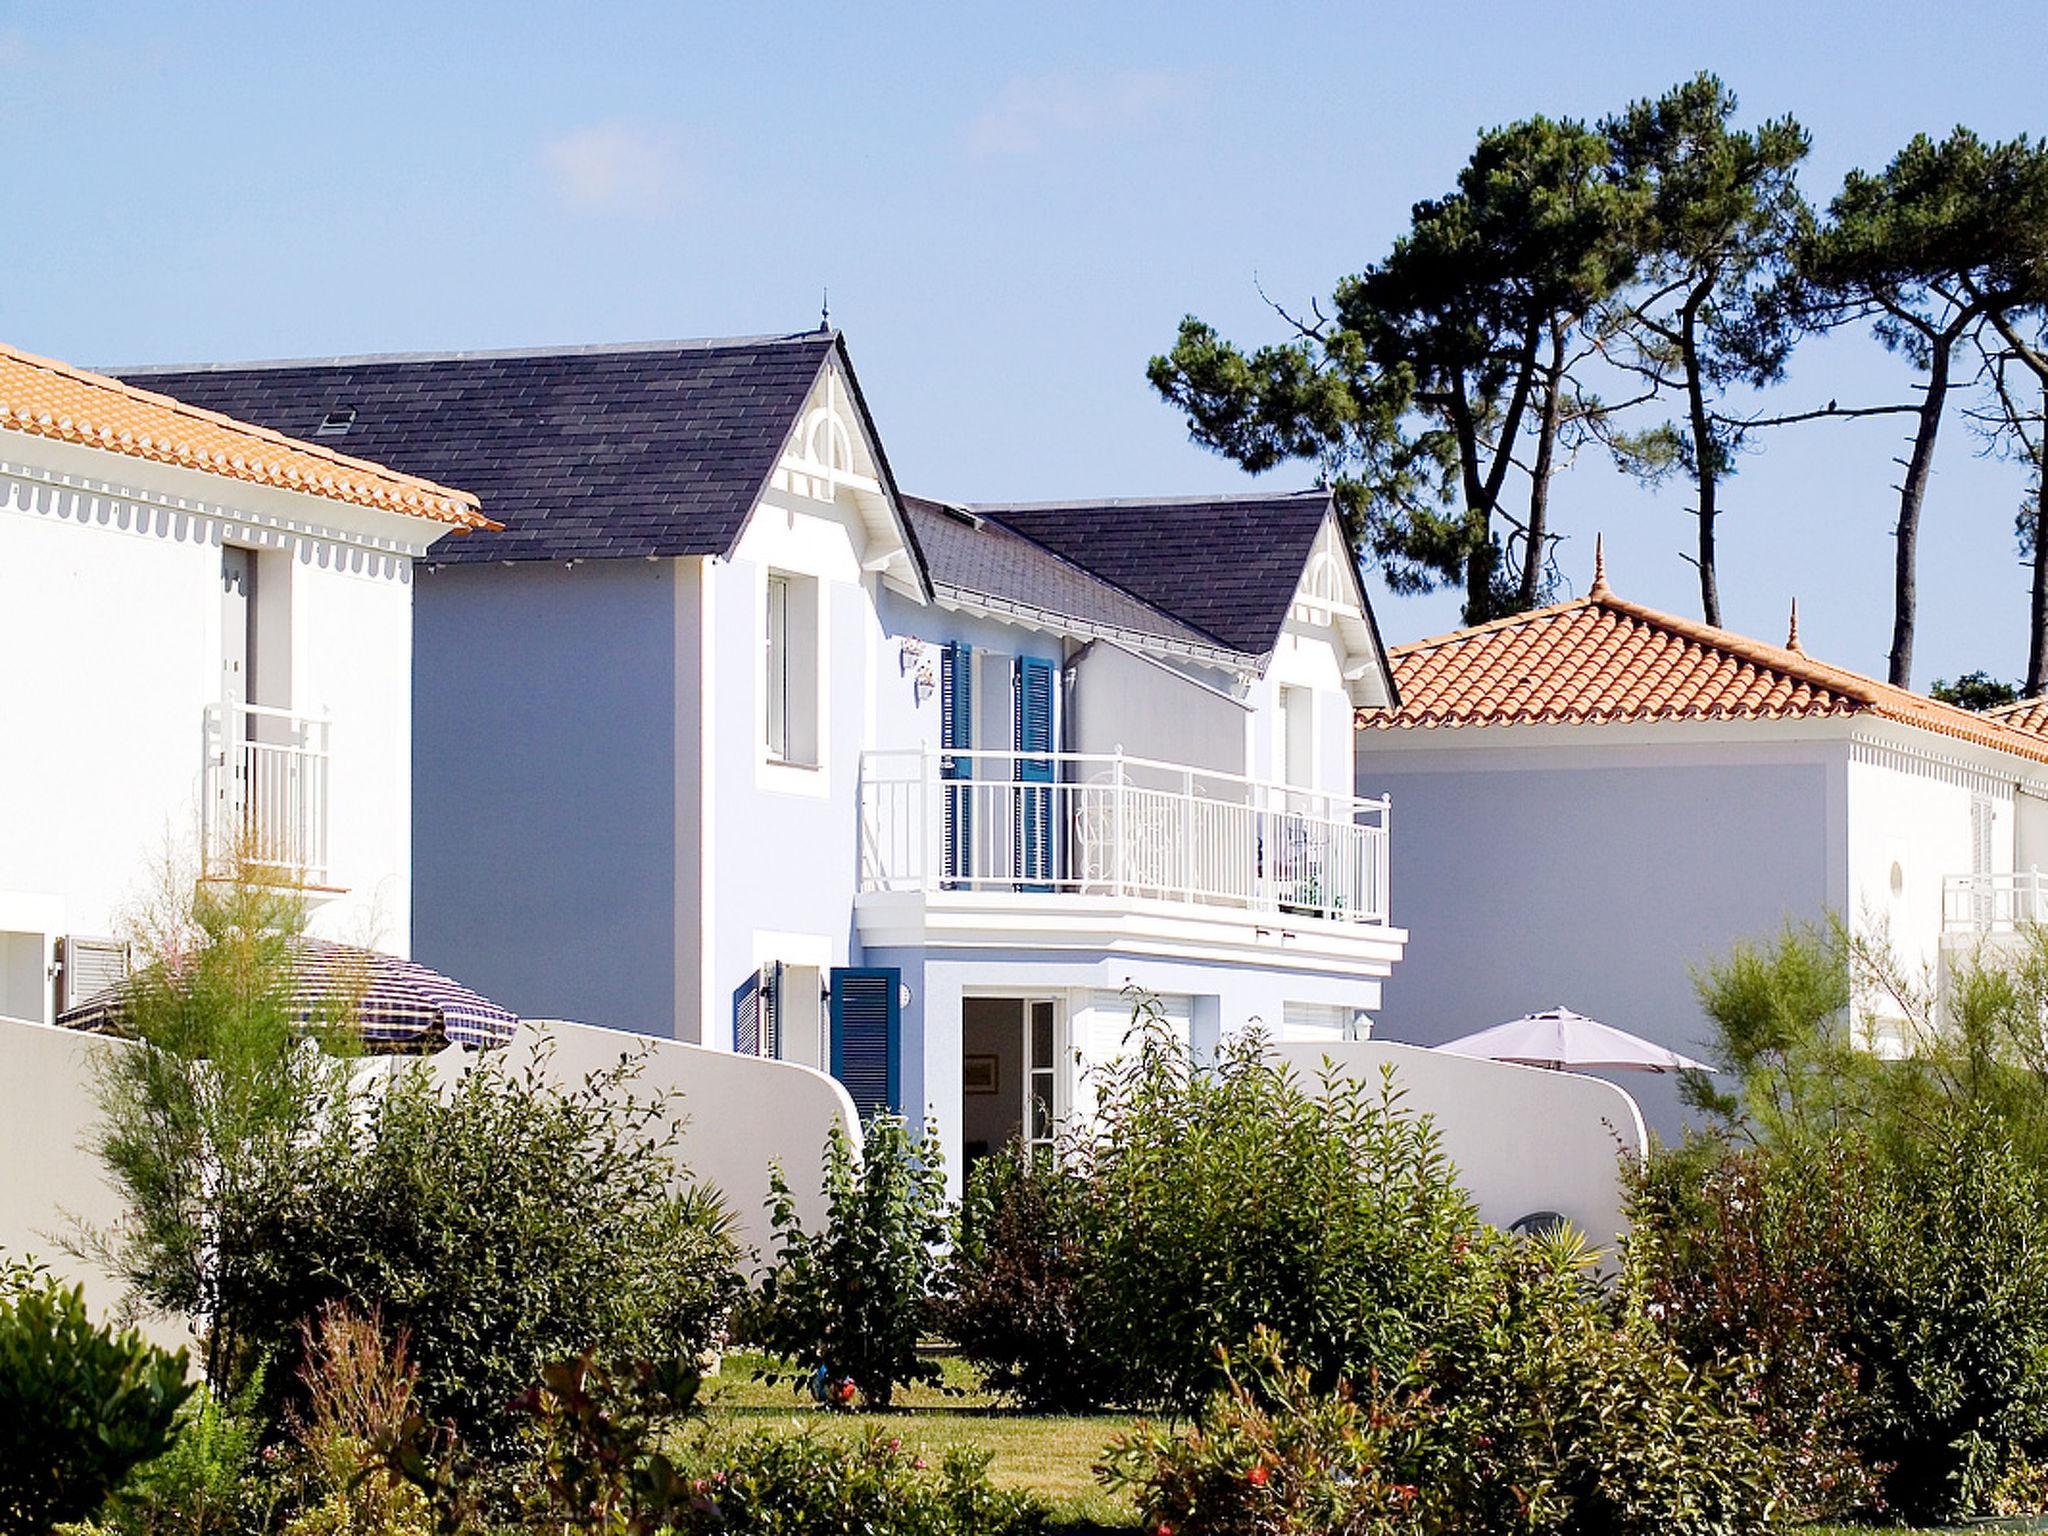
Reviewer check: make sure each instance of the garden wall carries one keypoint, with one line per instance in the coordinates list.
(1524, 1140)
(742, 1114)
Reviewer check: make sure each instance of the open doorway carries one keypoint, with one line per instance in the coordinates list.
(1008, 1076)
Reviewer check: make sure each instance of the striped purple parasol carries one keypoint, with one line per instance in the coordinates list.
(395, 1004)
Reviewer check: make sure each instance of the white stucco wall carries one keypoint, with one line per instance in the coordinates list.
(53, 1187)
(1524, 1140)
(1911, 812)
(110, 611)
(1594, 869)
(1121, 701)
(741, 1114)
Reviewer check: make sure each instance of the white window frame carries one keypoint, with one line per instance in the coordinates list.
(792, 709)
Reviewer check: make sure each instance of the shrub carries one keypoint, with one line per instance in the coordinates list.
(1926, 1271)
(503, 1225)
(217, 1479)
(1564, 1414)
(1012, 1285)
(80, 1405)
(767, 1484)
(358, 1391)
(1269, 1455)
(1570, 1413)
(849, 1304)
(1744, 1268)
(1224, 1200)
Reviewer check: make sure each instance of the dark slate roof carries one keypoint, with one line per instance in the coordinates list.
(1228, 565)
(981, 556)
(583, 453)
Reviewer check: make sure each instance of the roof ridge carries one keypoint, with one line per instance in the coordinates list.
(1527, 616)
(433, 490)
(996, 508)
(1797, 664)
(482, 354)
(1115, 586)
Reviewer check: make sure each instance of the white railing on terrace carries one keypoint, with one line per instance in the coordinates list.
(1993, 903)
(265, 790)
(1111, 825)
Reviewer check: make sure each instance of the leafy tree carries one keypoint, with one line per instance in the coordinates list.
(1414, 391)
(1976, 690)
(503, 1224)
(1226, 1199)
(850, 1303)
(210, 1119)
(1948, 235)
(1721, 217)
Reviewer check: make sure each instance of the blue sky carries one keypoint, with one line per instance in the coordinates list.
(1012, 208)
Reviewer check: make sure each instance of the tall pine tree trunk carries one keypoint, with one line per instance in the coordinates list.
(1912, 495)
(1705, 453)
(1538, 531)
(2037, 605)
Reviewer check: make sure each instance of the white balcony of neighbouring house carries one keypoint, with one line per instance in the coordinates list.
(1982, 906)
(264, 792)
(1103, 851)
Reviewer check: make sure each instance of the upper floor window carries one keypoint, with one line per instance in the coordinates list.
(790, 670)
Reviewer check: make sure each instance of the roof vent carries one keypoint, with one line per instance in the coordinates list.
(335, 423)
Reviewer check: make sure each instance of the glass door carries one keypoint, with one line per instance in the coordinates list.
(1041, 1114)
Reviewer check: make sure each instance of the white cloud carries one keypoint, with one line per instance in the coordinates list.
(616, 168)
(1032, 113)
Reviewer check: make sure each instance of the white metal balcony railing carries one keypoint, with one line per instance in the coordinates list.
(1983, 904)
(1095, 824)
(265, 790)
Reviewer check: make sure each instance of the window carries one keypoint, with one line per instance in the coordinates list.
(778, 666)
(1040, 1106)
(790, 670)
(1297, 737)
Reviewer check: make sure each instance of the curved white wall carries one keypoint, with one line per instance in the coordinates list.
(1523, 1139)
(742, 1112)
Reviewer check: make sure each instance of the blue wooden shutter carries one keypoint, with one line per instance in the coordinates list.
(1034, 838)
(867, 1029)
(771, 1010)
(746, 1016)
(956, 759)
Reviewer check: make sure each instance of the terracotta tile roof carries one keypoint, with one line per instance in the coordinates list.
(2025, 715)
(1600, 660)
(52, 399)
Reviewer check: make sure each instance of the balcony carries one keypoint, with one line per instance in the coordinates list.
(1086, 850)
(1982, 906)
(264, 792)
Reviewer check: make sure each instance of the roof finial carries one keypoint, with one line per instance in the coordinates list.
(1599, 568)
(825, 311)
(1792, 634)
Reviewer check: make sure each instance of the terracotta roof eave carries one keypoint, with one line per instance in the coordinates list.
(1600, 659)
(42, 397)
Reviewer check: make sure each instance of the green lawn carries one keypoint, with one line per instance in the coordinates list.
(1053, 1456)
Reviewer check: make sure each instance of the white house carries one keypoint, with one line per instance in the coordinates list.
(1596, 797)
(209, 630)
(724, 738)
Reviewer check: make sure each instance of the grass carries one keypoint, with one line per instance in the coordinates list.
(1052, 1455)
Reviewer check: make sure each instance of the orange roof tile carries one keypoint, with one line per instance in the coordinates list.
(1600, 660)
(2025, 715)
(52, 399)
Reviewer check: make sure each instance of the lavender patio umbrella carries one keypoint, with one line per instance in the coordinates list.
(1569, 1042)
(395, 1004)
